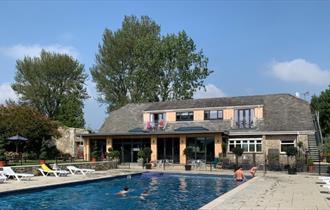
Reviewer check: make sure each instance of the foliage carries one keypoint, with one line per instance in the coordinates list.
(54, 84)
(113, 154)
(136, 64)
(325, 148)
(224, 148)
(188, 152)
(310, 162)
(95, 152)
(43, 150)
(291, 151)
(238, 151)
(28, 122)
(321, 104)
(141, 154)
(147, 152)
(2, 147)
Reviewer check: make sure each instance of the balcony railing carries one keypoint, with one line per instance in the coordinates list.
(244, 124)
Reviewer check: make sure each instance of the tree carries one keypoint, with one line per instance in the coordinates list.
(43, 150)
(136, 64)
(147, 152)
(28, 122)
(321, 104)
(54, 84)
(238, 151)
(2, 147)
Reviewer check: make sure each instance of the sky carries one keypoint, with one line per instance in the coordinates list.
(254, 47)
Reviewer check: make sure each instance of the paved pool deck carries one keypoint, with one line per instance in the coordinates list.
(274, 191)
(266, 191)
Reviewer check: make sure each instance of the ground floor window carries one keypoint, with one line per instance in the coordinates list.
(168, 148)
(248, 144)
(285, 144)
(129, 148)
(203, 148)
(100, 145)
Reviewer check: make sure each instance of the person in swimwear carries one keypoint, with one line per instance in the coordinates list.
(253, 171)
(123, 192)
(239, 174)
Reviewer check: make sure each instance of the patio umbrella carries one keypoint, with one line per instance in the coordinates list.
(17, 138)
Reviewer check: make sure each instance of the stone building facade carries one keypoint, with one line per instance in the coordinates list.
(259, 124)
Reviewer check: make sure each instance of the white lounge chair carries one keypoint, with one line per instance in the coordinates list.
(8, 171)
(45, 171)
(3, 178)
(73, 170)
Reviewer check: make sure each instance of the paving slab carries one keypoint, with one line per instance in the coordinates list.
(274, 191)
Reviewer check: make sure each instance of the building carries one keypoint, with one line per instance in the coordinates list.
(259, 124)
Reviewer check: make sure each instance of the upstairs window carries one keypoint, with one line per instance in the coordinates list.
(157, 117)
(184, 116)
(244, 118)
(213, 115)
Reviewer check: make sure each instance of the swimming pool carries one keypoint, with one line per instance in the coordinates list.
(166, 191)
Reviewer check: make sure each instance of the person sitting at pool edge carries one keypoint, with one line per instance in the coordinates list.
(253, 171)
(239, 174)
(123, 192)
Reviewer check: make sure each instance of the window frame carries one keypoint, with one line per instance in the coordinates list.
(209, 114)
(179, 114)
(248, 141)
(287, 140)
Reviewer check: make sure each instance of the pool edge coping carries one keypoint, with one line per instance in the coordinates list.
(219, 200)
(66, 183)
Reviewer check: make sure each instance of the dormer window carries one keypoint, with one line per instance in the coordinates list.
(157, 117)
(244, 118)
(184, 116)
(213, 115)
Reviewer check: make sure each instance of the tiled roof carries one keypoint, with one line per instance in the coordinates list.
(282, 112)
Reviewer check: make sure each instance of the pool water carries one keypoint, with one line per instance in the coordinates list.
(166, 191)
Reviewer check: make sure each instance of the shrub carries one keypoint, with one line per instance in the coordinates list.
(147, 152)
(188, 152)
(95, 151)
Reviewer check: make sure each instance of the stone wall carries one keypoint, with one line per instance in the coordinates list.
(98, 166)
(67, 142)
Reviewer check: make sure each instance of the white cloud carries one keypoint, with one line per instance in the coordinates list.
(300, 70)
(211, 92)
(6, 92)
(20, 50)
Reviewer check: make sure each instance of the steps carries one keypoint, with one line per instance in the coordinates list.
(313, 148)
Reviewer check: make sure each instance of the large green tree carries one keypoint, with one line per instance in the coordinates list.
(54, 84)
(28, 122)
(321, 104)
(137, 64)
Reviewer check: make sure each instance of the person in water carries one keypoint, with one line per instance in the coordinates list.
(123, 192)
(239, 174)
(144, 194)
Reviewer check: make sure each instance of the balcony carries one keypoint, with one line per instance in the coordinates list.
(243, 124)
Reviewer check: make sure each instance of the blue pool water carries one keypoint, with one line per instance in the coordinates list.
(166, 191)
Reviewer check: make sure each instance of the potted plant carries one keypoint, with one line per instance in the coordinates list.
(238, 151)
(188, 152)
(224, 149)
(311, 166)
(291, 152)
(147, 152)
(109, 153)
(2, 152)
(95, 152)
(141, 156)
(43, 152)
(115, 155)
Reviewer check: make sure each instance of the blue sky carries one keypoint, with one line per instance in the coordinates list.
(253, 47)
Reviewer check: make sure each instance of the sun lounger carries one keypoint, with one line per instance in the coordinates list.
(45, 171)
(73, 170)
(8, 171)
(3, 178)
